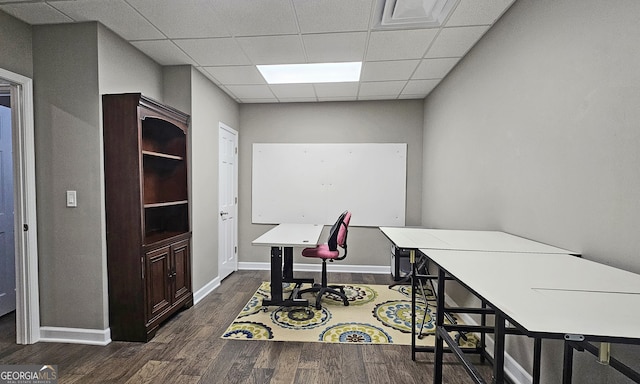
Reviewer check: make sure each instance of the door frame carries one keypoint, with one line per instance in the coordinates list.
(25, 219)
(222, 126)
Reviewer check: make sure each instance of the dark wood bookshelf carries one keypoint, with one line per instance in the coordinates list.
(147, 208)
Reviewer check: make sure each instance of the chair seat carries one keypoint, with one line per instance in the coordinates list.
(322, 251)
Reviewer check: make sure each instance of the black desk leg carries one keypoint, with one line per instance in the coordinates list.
(287, 268)
(413, 307)
(537, 353)
(567, 369)
(439, 343)
(498, 349)
(276, 274)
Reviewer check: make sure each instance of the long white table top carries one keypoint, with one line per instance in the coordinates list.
(291, 235)
(465, 240)
(551, 293)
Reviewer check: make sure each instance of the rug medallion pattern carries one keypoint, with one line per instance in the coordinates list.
(376, 314)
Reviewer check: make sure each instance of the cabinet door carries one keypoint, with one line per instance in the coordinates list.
(157, 282)
(181, 269)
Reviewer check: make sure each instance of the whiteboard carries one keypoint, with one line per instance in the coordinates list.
(314, 183)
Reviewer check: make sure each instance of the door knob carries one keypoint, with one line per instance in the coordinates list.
(222, 213)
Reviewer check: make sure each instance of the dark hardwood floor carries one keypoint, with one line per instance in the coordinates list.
(188, 349)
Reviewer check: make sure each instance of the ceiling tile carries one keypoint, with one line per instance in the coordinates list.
(388, 70)
(250, 100)
(293, 90)
(251, 91)
(396, 45)
(329, 90)
(410, 97)
(338, 98)
(335, 47)
(297, 99)
(386, 88)
(219, 51)
(163, 52)
(116, 15)
(455, 42)
(474, 12)
(434, 68)
(36, 13)
(419, 87)
(253, 18)
(333, 15)
(202, 17)
(273, 49)
(236, 75)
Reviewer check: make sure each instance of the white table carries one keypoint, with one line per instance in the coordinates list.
(543, 296)
(465, 240)
(426, 240)
(282, 239)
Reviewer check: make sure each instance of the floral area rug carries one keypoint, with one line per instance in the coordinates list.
(376, 314)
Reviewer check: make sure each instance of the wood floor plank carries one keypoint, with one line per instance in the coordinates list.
(188, 350)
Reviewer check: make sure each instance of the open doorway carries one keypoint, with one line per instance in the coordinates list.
(18, 226)
(7, 222)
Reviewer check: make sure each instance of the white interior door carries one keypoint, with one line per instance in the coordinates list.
(7, 239)
(228, 201)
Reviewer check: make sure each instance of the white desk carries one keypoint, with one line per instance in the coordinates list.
(464, 240)
(544, 296)
(282, 239)
(425, 240)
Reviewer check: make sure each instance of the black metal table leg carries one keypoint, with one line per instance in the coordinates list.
(498, 350)
(537, 353)
(439, 343)
(567, 366)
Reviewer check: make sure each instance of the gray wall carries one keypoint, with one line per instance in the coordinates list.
(349, 122)
(68, 143)
(208, 106)
(537, 133)
(73, 65)
(16, 54)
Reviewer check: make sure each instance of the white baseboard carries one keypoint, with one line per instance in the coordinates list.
(337, 268)
(516, 373)
(207, 289)
(75, 335)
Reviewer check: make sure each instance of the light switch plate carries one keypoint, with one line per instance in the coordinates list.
(72, 200)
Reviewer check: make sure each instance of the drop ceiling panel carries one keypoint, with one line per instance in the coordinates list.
(254, 18)
(419, 87)
(116, 15)
(388, 70)
(434, 68)
(288, 91)
(273, 49)
(236, 75)
(200, 18)
(397, 45)
(225, 39)
(251, 91)
(222, 51)
(336, 90)
(455, 42)
(165, 52)
(36, 13)
(335, 47)
(386, 88)
(333, 15)
(474, 12)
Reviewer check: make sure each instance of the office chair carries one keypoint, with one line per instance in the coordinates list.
(329, 251)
